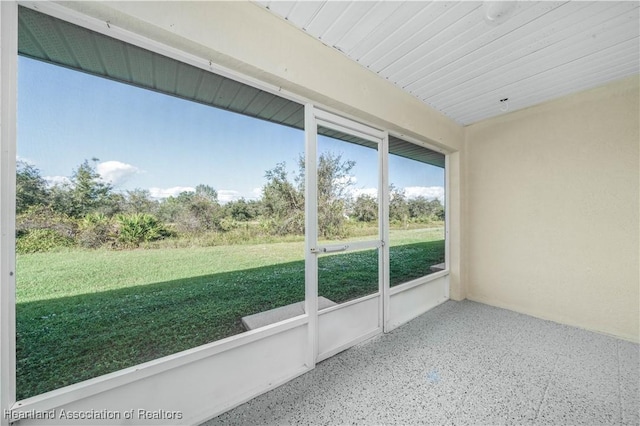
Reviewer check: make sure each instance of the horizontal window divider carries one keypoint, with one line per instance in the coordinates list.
(332, 121)
(325, 115)
(417, 282)
(348, 131)
(419, 143)
(347, 246)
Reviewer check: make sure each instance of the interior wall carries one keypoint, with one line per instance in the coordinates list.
(552, 213)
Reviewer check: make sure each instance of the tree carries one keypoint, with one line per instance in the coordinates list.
(283, 202)
(88, 192)
(169, 209)
(437, 209)
(139, 201)
(419, 207)
(31, 188)
(60, 198)
(424, 209)
(398, 209)
(114, 203)
(365, 208)
(242, 210)
(334, 193)
(207, 193)
(193, 211)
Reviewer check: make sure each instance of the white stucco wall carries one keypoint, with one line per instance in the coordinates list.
(552, 214)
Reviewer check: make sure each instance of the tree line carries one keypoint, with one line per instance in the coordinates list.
(89, 212)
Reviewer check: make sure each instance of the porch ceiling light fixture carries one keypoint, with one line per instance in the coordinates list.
(497, 12)
(505, 104)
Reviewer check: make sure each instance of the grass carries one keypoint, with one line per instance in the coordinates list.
(82, 313)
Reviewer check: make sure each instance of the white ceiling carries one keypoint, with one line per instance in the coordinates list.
(450, 56)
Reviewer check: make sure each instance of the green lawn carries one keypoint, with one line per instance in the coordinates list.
(83, 313)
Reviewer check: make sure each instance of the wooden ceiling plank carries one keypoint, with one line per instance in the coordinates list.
(414, 32)
(432, 66)
(545, 28)
(282, 8)
(569, 49)
(379, 25)
(303, 13)
(354, 12)
(326, 18)
(566, 78)
(458, 33)
(539, 46)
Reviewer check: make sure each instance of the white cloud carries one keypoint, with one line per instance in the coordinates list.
(57, 180)
(256, 193)
(372, 192)
(226, 195)
(116, 172)
(25, 160)
(169, 192)
(429, 192)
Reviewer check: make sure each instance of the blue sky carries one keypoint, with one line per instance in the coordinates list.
(152, 141)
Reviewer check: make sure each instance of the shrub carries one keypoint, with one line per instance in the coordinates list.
(44, 217)
(228, 224)
(135, 229)
(41, 240)
(96, 230)
(292, 225)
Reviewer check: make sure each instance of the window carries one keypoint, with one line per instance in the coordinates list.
(161, 207)
(347, 174)
(416, 212)
(155, 211)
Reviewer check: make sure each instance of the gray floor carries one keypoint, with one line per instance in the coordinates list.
(463, 363)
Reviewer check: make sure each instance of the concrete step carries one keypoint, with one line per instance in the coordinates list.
(251, 322)
(437, 268)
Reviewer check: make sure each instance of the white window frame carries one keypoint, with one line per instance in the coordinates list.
(8, 110)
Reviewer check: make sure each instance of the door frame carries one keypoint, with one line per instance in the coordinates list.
(315, 117)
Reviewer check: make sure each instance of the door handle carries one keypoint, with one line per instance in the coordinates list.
(330, 249)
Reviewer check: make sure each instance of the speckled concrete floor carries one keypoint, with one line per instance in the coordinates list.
(462, 363)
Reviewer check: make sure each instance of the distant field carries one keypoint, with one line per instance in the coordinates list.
(84, 313)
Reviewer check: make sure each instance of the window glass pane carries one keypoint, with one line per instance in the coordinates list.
(347, 212)
(347, 187)
(347, 276)
(416, 215)
(146, 225)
